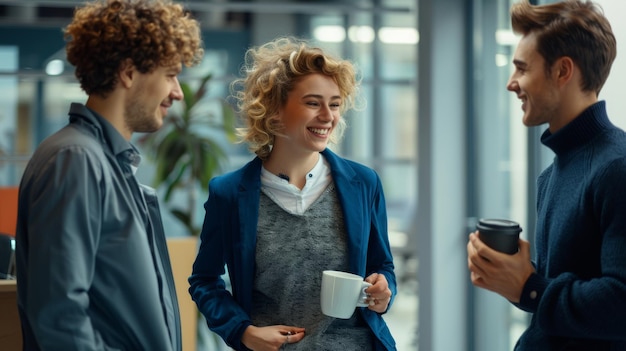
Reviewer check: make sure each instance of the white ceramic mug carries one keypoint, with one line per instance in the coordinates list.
(341, 293)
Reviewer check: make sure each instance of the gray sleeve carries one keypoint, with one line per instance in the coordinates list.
(64, 228)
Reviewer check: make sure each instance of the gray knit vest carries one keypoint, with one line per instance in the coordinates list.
(291, 253)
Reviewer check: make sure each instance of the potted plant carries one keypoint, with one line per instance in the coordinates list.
(186, 152)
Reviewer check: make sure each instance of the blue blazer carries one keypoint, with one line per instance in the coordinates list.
(229, 237)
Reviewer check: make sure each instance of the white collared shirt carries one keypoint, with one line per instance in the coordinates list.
(289, 196)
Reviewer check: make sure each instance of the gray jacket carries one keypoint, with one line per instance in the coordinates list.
(93, 271)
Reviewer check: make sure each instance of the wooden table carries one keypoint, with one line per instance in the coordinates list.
(10, 329)
(182, 252)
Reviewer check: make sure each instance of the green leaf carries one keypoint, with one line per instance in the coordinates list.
(175, 182)
(182, 216)
(189, 96)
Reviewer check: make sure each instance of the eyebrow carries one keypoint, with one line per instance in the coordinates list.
(317, 96)
(519, 63)
(175, 69)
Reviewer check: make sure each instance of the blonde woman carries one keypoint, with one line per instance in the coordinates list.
(293, 211)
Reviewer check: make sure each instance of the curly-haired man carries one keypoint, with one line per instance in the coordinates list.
(93, 271)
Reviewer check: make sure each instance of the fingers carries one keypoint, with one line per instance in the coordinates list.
(289, 330)
(478, 247)
(292, 336)
(374, 277)
(287, 337)
(379, 289)
(379, 283)
(378, 295)
(379, 302)
(375, 301)
(295, 336)
(480, 253)
(272, 337)
(524, 247)
(473, 258)
(379, 305)
(476, 260)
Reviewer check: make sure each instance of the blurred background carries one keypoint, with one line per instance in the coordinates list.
(440, 129)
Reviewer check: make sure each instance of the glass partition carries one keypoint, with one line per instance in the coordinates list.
(380, 36)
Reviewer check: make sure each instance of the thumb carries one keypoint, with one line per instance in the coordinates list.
(372, 278)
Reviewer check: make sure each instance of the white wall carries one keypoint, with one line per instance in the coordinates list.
(613, 91)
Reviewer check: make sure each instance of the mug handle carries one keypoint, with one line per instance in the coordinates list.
(363, 296)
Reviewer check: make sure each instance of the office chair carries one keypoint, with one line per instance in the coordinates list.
(7, 256)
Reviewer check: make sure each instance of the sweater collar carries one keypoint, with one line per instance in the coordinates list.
(580, 131)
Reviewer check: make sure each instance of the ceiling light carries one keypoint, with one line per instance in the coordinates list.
(55, 67)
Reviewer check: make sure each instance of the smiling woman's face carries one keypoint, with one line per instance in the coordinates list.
(310, 114)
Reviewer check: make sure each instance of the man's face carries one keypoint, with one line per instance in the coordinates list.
(151, 96)
(536, 88)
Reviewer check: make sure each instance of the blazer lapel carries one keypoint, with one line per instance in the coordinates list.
(350, 191)
(248, 209)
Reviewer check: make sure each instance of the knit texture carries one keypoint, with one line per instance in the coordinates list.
(578, 294)
(291, 253)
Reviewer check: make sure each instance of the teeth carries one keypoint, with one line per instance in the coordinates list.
(319, 131)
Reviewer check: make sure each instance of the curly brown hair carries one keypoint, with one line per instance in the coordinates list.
(151, 33)
(270, 73)
(573, 28)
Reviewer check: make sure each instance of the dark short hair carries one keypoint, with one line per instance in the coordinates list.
(573, 28)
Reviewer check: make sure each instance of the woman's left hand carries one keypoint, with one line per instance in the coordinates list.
(379, 293)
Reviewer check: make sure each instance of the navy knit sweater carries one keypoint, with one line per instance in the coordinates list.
(578, 293)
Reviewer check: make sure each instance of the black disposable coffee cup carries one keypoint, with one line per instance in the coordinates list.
(499, 234)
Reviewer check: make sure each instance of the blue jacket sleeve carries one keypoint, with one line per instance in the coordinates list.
(223, 314)
(379, 258)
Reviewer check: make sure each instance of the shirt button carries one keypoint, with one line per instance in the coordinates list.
(533, 294)
(310, 175)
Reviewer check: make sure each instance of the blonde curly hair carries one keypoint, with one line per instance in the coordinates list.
(151, 33)
(270, 71)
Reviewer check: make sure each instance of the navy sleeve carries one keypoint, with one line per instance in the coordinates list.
(592, 307)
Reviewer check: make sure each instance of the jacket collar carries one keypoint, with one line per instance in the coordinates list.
(101, 129)
(251, 178)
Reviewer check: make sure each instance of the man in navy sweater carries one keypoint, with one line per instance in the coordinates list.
(576, 285)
